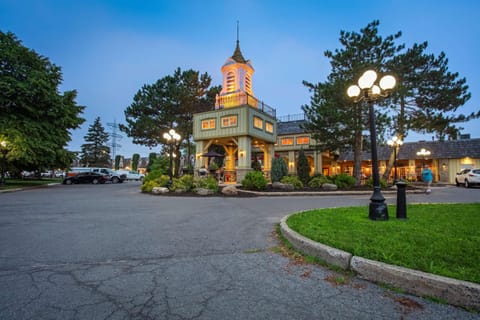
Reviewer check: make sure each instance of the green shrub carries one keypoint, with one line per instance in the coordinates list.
(293, 180)
(183, 183)
(254, 180)
(279, 169)
(369, 182)
(154, 180)
(318, 181)
(303, 169)
(344, 181)
(206, 183)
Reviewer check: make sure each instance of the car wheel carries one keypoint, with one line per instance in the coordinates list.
(467, 185)
(68, 181)
(457, 183)
(95, 181)
(115, 180)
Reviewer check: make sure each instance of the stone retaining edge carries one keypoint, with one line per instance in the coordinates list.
(328, 254)
(455, 292)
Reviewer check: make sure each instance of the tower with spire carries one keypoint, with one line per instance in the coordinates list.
(237, 81)
(244, 126)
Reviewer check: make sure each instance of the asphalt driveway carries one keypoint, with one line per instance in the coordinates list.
(110, 252)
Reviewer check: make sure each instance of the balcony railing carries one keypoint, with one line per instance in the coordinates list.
(240, 99)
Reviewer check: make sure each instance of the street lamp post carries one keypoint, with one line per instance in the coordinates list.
(171, 136)
(423, 153)
(368, 90)
(395, 143)
(3, 148)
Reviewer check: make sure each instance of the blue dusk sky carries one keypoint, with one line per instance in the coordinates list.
(108, 49)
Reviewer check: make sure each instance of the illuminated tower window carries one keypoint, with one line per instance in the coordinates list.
(230, 82)
(248, 84)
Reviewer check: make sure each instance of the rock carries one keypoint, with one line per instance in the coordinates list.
(204, 192)
(329, 187)
(230, 190)
(283, 186)
(160, 190)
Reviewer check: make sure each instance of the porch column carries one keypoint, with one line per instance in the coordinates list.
(268, 153)
(291, 162)
(244, 157)
(317, 162)
(199, 160)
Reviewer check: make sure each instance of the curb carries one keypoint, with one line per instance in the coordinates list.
(325, 193)
(455, 292)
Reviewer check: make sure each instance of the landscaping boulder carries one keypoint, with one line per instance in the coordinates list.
(204, 192)
(230, 190)
(160, 190)
(283, 186)
(329, 187)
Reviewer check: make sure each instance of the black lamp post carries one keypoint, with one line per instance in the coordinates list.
(395, 142)
(423, 153)
(4, 150)
(369, 91)
(171, 136)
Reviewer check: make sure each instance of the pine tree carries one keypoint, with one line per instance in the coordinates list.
(95, 152)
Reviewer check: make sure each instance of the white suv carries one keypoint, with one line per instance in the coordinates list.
(468, 177)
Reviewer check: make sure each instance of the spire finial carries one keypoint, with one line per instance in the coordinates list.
(238, 31)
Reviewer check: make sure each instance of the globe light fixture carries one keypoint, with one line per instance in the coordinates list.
(395, 143)
(424, 153)
(4, 150)
(172, 137)
(367, 89)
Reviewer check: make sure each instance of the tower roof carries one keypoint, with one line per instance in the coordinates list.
(237, 54)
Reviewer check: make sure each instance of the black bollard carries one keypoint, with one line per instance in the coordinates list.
(401, 200)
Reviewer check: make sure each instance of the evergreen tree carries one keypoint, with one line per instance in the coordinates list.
(96, 152)
(151, 160)
(303, 169)
(118, 158)
(135, 160)
(279, 169)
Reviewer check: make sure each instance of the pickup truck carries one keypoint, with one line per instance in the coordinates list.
(131, 174)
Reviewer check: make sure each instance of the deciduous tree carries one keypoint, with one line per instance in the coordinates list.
(35, 117)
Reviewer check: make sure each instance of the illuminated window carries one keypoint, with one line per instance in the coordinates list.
(229, 121)
(248, 84)
(303, 140)
(258, 122)
(208, 124)
(268, 127)
(230, 82)
(287, 142)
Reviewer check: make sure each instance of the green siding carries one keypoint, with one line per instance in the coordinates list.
(244, 126)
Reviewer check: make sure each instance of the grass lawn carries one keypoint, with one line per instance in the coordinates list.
(23, 183)
(443, 239)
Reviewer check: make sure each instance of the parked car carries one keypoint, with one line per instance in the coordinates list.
(87, 177)
(468, 177)
(131, 174)
(113, 176)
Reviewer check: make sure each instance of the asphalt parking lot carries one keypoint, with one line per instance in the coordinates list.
(110, 252)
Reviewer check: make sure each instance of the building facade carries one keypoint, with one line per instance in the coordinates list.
(248, 129)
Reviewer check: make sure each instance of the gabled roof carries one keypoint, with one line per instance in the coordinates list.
(451, 149)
